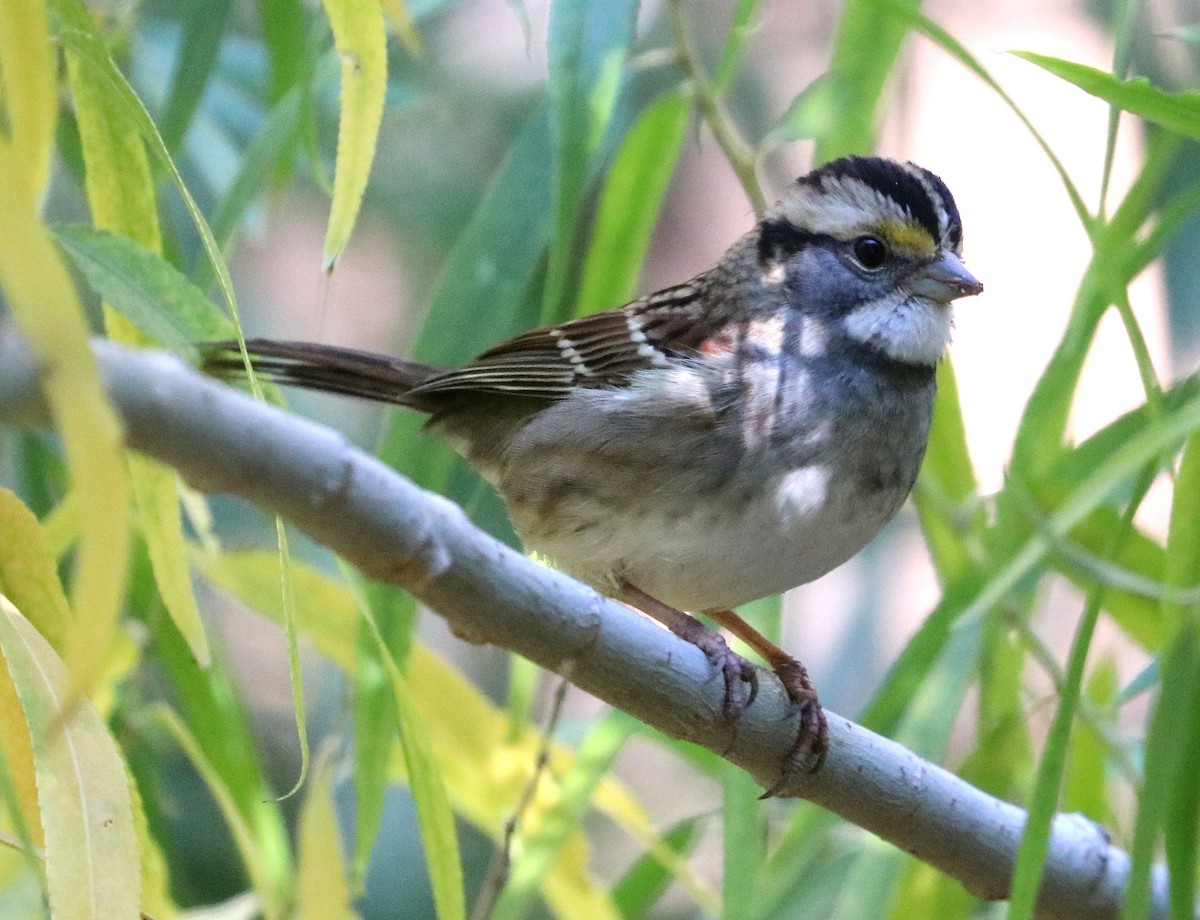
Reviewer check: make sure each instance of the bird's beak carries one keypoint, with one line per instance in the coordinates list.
(944, 279)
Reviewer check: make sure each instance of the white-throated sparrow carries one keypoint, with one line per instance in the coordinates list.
(721, 440)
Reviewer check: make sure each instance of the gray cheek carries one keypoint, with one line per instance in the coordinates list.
(821, 284)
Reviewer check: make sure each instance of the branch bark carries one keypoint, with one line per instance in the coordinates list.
(223, 441)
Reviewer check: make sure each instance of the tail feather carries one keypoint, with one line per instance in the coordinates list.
(330, 369)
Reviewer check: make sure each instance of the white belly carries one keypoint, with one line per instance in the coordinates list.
(798, 529)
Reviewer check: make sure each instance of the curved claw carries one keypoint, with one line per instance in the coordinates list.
(736, 671)
(812, 741)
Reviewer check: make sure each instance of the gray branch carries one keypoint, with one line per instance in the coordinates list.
(223, 441)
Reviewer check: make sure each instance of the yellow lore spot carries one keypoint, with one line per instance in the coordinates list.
(908, 235)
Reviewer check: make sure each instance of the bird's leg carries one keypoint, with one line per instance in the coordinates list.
(735, 669)
(813, 741)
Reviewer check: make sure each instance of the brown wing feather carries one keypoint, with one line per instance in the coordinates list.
(603, 349)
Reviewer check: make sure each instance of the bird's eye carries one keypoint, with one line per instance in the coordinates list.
(870, 251)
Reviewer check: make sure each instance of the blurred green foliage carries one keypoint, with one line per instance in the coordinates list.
(525, 200)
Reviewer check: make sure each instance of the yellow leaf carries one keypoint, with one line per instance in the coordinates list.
(361, 43)
(402, 24)
(48, 313)
(483, 770)
(120, 191)
(30, 91)
(321, 889)
(18, 758)
(92, 869)
(29, 572)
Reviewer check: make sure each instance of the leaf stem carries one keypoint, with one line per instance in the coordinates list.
(741, 156)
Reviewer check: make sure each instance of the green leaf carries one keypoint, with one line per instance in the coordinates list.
(630, 204)
(482, 292)
(744, 835)
(276, 138)
(283, 29)
(947, 484)
(146, 289)
(639, 889)
(971, 597)
(271, 895)
(219, 740)
(815, 112)
(436, 820)
(865, 47)
(198, 48)
(587, 45)
(1178, 112)
(1086, 789)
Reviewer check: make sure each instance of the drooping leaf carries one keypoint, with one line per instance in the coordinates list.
(1178, 112)
(92, 869)
(361, 42)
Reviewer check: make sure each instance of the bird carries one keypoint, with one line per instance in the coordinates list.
(717, 441)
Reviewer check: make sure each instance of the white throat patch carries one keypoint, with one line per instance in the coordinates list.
(914, 330)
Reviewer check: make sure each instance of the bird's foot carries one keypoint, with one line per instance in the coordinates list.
(741, 677)
(812, 741)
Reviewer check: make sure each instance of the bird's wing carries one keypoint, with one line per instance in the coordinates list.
(603, 349)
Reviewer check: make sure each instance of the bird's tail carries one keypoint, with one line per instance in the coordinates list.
(322, 367)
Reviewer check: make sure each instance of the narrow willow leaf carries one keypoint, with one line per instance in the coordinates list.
(324, 609)
(76, 31)
(361, 43)
(402, 24)
(630, 204)
(270, 897)
(202, 31)
(482, 293)
(947, 484)
(544, 836)
(639, 889)
(741, 28)
(1165, 762)
(148, 291)
(20, 776)
(29, 572)
(156, 882)
(30, 93)
(815, 112)
(1086, 789)
(587, 46)
(1181, 565)
(1182, 561)
(1043, 805)
(283, 29)
(122, 199)
(277, 137)
(864, 49)
(46, 309)
(1178, 112)
(214, 720)
(483, 769)
(321, 889)
(1183, 805)
(744, 837)
(438, 836)
(375, 716)
(970, 598)
(92, 869)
